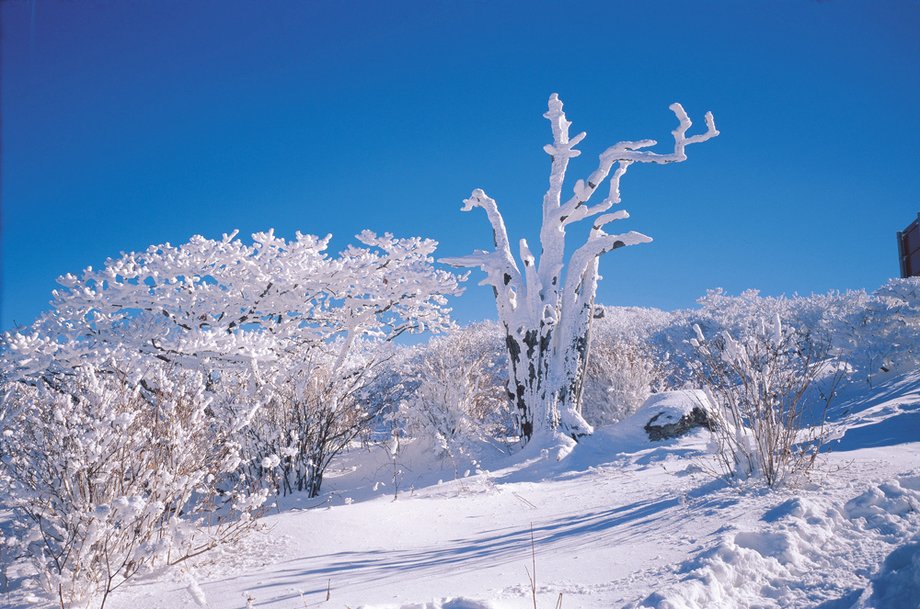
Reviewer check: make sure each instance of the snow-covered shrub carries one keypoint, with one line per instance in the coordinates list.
(884, 333)
(873, 334)
(766, 425)
(223, 303)
(717, 312)
(623, 366)
(108, 476)
(458, 392)
(311, 410)
(621, 375)
(836, 320)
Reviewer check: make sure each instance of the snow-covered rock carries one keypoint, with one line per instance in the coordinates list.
(673, 413)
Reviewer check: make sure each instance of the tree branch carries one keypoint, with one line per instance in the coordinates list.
(627, 152)
(499, 265)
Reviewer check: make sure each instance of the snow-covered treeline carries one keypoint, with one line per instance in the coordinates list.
(638, 351)
(873, 334)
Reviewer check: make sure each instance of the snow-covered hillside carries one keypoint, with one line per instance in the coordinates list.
(394, 476)
(620, 522)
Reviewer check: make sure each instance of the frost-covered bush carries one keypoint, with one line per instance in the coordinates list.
(717, 312)
(766, 427)
(621, 375)
(311, 410)
(224, 303)
(883, 335)
(839, 320)
(623, 367)
(108, 477)
(873, 334)
(458, 393)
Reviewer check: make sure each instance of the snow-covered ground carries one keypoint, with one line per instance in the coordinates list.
(619, 522)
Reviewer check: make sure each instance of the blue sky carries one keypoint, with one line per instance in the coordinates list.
(136, 122)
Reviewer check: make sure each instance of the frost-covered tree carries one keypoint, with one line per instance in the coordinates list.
(223, 303)
(276, 324)
(546, 309)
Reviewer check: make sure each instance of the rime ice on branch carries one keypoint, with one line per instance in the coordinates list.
(547, 309)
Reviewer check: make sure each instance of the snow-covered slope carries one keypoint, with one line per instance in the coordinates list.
(619, 522)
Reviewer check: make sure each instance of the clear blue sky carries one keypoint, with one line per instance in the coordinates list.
(126, 123)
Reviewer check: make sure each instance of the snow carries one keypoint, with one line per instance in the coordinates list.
(793, 557)
(445, 603)
(618, 522)
(898, 584)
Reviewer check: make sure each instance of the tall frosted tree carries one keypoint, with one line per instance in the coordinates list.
(546, 308)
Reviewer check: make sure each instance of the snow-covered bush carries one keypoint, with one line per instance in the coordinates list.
(623, 367)
(620, 376)
(108, 476)
(311, 410)
(883, 335)
(836, 320)
(717, 312)
(223, 303)
(872, 333)
(458, 392)
(766, 426)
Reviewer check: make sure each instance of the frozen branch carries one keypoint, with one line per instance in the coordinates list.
(499, 265)
(599, 243)
(532, 282)
(627, 152)
(479, 198)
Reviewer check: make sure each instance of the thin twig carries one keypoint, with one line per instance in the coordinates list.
(533, 575)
